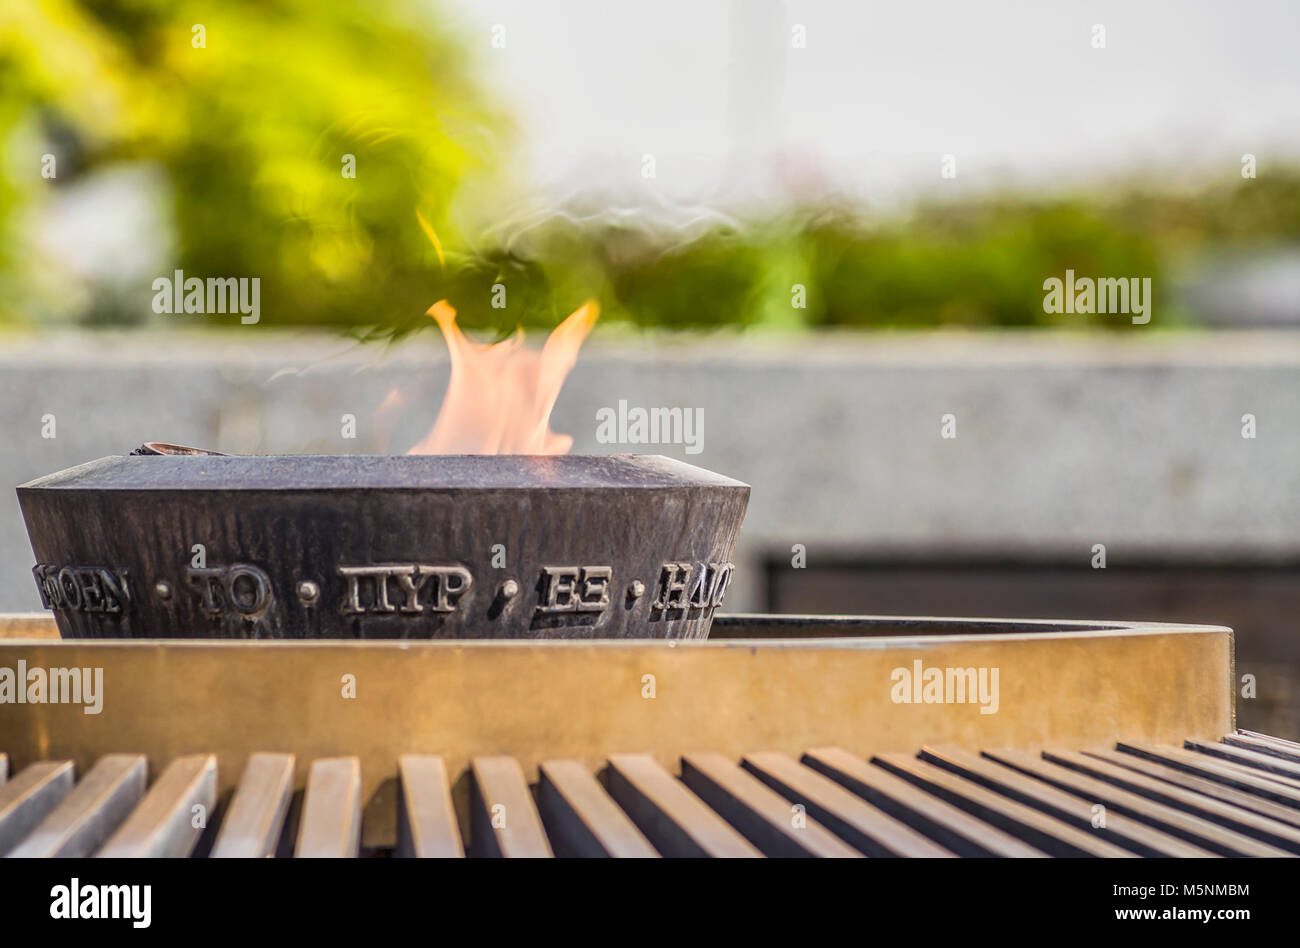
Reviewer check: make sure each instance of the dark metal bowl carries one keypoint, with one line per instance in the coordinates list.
(359, 546)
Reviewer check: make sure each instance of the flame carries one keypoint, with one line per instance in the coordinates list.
(500, 396)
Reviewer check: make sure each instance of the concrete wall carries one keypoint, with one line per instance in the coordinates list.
(1062, 441)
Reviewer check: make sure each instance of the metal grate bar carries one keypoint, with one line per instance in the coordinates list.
(253, 826)
(331, 810)
(1053, 836)
(952, 827)
(673, 818)
(166, 822)
(865, 827)
(504, 818)
(91, 811)
(1273, 767)
(1119, 829)
(1200, 831)
(760, 813)
(426, 819)
(941, 801)
(25, 800)
(1214, 768)
(1246, 742)
(581, 818)
(1201, 785)
(1246, 822)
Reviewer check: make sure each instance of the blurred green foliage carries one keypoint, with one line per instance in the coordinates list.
(250, 130)
(973, 263)
(251, 119)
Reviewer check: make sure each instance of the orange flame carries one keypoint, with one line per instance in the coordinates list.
(500, 396)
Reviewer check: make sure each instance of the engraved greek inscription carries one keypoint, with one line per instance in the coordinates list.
(207, 582)
(699, 597)
(674, 579)
(377, 588)
(248, 589)
(574, 589)
(368, 588)
(83, 588)
(684, 587)
(594, 595)
(722, 579)
(411, 584)
(241, 589)
(557, 588)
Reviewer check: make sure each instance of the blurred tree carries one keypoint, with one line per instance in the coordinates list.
(251, 108)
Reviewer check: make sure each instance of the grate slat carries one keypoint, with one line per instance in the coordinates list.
(582, 819)
(1170, 819)
(28, 798)
(1274, 767)
(675, 820)
(91, 811)
(1217, 769)
(1281, 742)
(1209, 788)
(330, 826)
(426, 819)
(1119, 829)
(951, 827)
(1246, 742)
(1246, 822)
(163, 824)
(503, 817)
(761, 814)
(1053, 836)
(865, 827)
(252, 827)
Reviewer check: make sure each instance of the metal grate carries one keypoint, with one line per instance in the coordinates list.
(1237, 797)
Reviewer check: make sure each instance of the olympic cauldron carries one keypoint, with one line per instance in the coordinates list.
(181, 543)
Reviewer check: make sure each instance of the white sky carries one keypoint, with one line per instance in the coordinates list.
(714, 90)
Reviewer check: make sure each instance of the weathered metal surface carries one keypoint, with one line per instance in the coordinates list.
(352, 546)
(28, 625)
